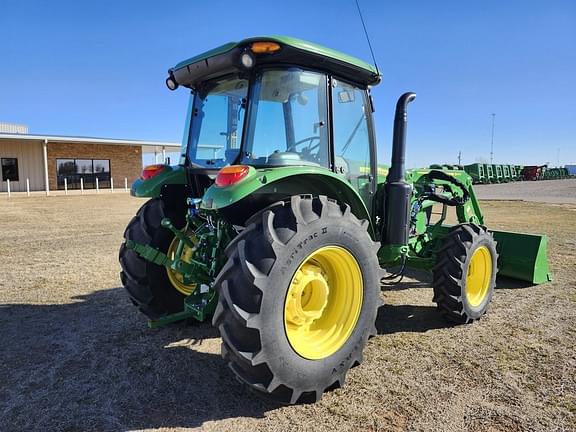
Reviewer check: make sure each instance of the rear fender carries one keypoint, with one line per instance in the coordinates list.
(264, 187)
(152, 187)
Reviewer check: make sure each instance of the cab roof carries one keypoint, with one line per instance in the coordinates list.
(226, 59)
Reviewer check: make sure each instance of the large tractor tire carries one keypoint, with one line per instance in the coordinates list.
(156, 290)
(298, 298)
(465, 274)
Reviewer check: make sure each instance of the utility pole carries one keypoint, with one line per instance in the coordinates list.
(460, 157)
(492, 141)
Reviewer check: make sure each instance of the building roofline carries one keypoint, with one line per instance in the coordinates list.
(79, 139)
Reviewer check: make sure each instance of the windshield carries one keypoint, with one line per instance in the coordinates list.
(217, 121)
(287, 119)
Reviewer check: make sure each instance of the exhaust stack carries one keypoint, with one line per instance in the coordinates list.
(398, 192)
(399, 139)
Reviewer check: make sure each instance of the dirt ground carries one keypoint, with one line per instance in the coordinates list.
(75, 355)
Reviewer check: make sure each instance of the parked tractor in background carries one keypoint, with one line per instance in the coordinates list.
(278, 221)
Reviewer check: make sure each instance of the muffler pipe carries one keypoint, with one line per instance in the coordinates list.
(398, 166)
(398, 192)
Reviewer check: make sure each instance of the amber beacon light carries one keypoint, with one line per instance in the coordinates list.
(264, 47)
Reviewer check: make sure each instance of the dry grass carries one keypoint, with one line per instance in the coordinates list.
(75, 355)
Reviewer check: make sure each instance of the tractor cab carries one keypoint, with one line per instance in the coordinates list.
(279, 102)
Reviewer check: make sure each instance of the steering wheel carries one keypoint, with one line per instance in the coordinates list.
(310, 147)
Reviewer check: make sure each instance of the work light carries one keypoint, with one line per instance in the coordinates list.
(171, 83)
(247, 60)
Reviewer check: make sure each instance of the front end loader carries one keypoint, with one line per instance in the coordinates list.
(278, 222)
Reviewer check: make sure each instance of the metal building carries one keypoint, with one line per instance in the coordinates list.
(48, 162)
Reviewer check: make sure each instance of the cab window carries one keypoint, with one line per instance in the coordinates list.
(217, 121)
(352, 160)
(288, 119)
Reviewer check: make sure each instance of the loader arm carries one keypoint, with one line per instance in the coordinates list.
(521, 256)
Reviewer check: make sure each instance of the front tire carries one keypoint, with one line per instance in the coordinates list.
(298, 299)
(465, 274)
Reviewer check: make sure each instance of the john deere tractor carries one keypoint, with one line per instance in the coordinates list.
(278, 221)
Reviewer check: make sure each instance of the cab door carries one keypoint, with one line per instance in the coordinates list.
(354, 157)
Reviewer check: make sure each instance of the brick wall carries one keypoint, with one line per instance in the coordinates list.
(125, 161)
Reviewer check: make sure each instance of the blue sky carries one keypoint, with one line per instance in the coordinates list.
(97, 68)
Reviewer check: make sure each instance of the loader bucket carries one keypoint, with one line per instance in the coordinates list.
(523, 256)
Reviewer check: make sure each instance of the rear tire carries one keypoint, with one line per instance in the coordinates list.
(147, 283)
(465, 274)
(253, 289)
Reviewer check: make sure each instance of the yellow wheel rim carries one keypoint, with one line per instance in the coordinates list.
(323, 302)
(176, 278)
(479, 276)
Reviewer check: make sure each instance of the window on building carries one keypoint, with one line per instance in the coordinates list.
(76, 171)
(84, 166)
(65, 166)
(101, 166)
(101, 170)
(10, 169)
(85, 172)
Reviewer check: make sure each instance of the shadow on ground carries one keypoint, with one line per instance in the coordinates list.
(413, 278)
(93, 365)
(417, 319)
(409, 318)
(503, 282)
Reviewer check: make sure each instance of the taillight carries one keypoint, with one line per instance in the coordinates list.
(151, 171)
(231, 175)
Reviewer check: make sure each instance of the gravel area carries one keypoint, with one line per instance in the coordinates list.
(75, 355)
(546, 191)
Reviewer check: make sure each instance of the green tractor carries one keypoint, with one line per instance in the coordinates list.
(278, 221)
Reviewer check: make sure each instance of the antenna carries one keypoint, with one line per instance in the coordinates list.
(367, 37)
